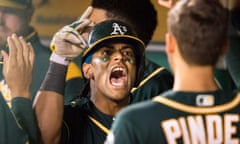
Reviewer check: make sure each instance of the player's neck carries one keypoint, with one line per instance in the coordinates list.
(109, 107)
(194, 79)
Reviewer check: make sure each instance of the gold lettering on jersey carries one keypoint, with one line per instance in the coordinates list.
(230, 129)
(172, 130)
(184, 130)
(196, 126)
(213, 129)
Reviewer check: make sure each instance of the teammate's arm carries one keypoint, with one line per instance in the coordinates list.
(17, 71)
(66, 44)
(49, 111)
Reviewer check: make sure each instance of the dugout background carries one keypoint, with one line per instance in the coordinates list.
(51, 15)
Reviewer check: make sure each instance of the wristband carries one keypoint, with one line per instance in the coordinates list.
(59, 59)
(55, 78)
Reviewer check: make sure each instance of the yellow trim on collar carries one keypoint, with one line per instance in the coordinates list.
(98, 124)
(30, 35)
(147, 78)
(197, 110)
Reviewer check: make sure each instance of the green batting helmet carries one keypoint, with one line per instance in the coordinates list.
(116, 30)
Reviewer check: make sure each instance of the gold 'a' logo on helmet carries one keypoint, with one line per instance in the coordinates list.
(118, 29)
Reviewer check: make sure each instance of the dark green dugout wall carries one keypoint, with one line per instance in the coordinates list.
(222, 75)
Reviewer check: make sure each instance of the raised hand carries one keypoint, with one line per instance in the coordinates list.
(69, 41)
(18, 66)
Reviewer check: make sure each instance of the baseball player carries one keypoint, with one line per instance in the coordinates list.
(196, 110)
(69, 42)
(18, 124)
(16, 18)
(156, 78)
(112, 65)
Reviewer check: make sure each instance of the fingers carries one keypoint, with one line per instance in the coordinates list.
(18, 67)
(20, 52)
(5, 61)
(167, 3)
(25, 51)
(84, 23)
(84, 16)
(73, 34)
(12, 47)
(27, 54)
(4, 54)
(86, 13)
(31, 54)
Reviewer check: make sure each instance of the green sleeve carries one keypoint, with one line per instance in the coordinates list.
(23, 111)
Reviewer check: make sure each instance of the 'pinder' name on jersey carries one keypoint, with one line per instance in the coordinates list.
(207, 129)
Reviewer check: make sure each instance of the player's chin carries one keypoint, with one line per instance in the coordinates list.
(120, 96)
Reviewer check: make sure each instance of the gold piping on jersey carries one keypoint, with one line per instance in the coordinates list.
(98, 124)
(196, 110)
(14, 116)
(147, 78)
(68, 131)
(30, 35)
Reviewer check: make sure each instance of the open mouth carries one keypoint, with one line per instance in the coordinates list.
(118, 77)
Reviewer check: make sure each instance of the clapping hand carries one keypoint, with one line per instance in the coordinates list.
(18, 66)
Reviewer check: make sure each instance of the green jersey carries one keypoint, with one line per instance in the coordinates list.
(18, 123)
(85, 124)
(156, 79)
(42, 54)
(180, 118)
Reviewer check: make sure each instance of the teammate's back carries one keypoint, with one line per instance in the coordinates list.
(196, 110)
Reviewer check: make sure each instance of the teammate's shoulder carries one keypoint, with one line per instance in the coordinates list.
(136, 108)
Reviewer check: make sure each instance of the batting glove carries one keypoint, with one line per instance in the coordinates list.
(70, 41)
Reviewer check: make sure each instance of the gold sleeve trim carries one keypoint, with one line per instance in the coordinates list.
(98, 124)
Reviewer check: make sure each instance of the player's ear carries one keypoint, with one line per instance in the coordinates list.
(170, 43)
(87, 71)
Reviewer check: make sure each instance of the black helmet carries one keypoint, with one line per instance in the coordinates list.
(115, 30)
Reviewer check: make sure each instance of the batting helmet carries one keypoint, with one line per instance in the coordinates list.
(116, 30)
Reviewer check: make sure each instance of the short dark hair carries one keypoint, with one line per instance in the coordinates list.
(140, 14)
(200, 28)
